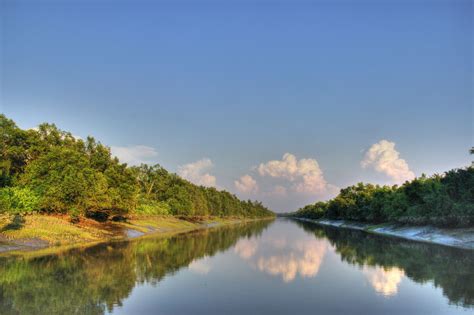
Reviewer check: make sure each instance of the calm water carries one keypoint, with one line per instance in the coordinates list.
(280, 267)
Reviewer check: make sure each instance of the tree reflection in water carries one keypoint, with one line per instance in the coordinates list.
(385, 260)
(95, 279)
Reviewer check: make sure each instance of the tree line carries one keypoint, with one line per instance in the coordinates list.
(48, 170)
(441, 200)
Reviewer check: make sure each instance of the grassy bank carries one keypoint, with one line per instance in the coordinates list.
(32, 232)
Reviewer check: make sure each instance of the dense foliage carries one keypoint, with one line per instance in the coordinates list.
(443, 200)
(168, 193)
(49, 170)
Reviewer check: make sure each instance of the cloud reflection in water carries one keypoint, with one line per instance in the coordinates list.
(286, 259)
(384, 281)
(200, 266)
(246, 248)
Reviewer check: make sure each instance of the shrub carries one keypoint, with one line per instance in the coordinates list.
(154, 208)
(441, 200)
(18, 200)
(74, 215)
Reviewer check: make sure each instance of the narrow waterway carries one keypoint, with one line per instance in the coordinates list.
(279, 267)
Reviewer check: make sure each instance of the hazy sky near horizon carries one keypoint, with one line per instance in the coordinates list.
(281, 101)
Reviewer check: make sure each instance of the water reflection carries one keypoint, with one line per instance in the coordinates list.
(303, 258)
(292, 267)
(200, 266)
(384, 281)
(385, 261)
(99, 278)
(283, 256)
(246, 248)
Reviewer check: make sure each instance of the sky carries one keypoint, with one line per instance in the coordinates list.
(280, 101)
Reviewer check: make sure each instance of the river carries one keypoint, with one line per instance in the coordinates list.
(264, 267)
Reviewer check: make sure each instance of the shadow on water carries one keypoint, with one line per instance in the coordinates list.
(95, 279)
(450, 269)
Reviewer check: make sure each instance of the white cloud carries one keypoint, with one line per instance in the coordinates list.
(196, 173)
(383, 157)
(304, 174)
(246, 185)
(134, 155)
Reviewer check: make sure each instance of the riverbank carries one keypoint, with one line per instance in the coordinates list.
(453, 237)
(35, 232)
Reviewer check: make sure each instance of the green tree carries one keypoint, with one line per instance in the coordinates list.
(63, 179)
(69, 175)
(13, 150)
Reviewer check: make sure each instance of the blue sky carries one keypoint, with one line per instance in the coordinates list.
(216, 90)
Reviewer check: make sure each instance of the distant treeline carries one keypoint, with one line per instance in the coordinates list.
(442, 200)
(48, 170)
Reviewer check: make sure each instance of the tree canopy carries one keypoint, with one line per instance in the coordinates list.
(48, 170)
(443, 200)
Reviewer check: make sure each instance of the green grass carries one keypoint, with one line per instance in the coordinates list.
(51, 229)
(58, 230)
(157, 223)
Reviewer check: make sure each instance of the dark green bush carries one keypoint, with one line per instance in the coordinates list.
(51, 171)
(441, 200)
(18, 200)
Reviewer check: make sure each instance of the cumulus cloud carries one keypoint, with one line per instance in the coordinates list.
(196, 173)
(246, 185)
(305, 174)
(134, 155)
(383, 157)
